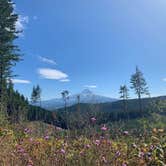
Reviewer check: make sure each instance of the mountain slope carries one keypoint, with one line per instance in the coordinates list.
(132, 105)
(86, 96)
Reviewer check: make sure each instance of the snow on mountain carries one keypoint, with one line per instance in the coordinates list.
(86, 96)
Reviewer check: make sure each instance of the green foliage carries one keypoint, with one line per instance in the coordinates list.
(36, 94)
(8, 51)
(139, 85)
(124, 95)
(3, 120)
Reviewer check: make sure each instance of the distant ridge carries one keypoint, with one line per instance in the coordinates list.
(86, 96)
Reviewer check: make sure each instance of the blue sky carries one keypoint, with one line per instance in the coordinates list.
(90, 43)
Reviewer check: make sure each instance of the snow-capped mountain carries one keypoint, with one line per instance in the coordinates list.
(86, 96)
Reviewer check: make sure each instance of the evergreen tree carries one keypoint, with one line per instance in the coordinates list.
(65, 96)
(36, 98)
(36, 94)
(139, 85)
(8, 51)
(124, 95)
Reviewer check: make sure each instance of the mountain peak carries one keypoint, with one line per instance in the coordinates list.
(87, 92)
(86, 96)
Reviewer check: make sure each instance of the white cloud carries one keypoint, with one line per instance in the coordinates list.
(164, 79)
(47, 60)
(21, 23)
(65, 80)
(19, 81)
(90, 86)
(52, 74)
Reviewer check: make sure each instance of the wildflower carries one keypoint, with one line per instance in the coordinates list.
(88, 146)
(97, 142)
(104, 128)
(141, 154)
(30, 139)
(46, 137)
(81, 152)
(25, 154)
(126, 133)
(117, 154)
(134, 145)
(152, 147)
(149, 154)
(62, 151)
(109, 142)
(27, 130)
(20, 149)
(104, 159)
(124, 164)
(93, 119)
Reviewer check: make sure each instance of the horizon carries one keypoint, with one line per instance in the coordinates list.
(95, 45)
(118, 98)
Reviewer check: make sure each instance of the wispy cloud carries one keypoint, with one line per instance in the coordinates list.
(20, 81)
(52, 74)
(90, 86)
(47, 60)
(21, 23)
(65, 80)
(164, 79)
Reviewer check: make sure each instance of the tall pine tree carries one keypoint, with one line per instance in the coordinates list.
(8, 50)
(36, 95)
(139, 84)
(124, 95)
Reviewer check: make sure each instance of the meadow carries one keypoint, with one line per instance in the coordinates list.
(39, 144)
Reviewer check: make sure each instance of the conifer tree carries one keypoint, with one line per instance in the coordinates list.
(36, 94)
(8, 51)
(124, 95)
(65, 96)
(33, 95)
(139, 84)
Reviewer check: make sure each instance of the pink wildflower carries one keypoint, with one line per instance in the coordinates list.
(141, 154)
(62, 151)
(104, 128)
(27, 131)
(124, 164)
(126, 133)
(117, 154)
(81, 152)
(46, 137)
(97, 142)
(88, 146)
(93, 119)
(30, 139)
